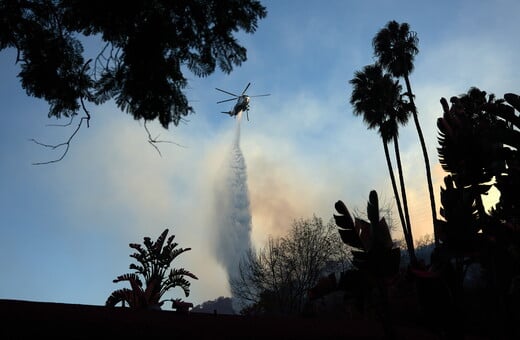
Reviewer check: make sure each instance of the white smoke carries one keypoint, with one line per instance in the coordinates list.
(232, 209)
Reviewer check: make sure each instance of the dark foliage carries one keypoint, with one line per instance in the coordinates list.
(395, 46)
(479, 146)
(147, 44)
(221, 305)
(154, 261)
(275, 279)
(374, 254)
(375, 259)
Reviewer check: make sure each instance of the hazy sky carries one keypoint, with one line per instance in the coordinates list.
(66, 227)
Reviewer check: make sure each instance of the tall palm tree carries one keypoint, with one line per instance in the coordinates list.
(377, 97)
(396, 46)
(154, 260)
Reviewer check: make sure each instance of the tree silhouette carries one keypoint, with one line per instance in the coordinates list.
(147, 45)
(275, 279)
(396, 46)
(377, 97)
(154, 260)
(479, 146)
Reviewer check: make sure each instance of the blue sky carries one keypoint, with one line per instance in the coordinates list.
(66, 227)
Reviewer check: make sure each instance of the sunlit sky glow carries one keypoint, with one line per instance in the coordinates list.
(66, 227)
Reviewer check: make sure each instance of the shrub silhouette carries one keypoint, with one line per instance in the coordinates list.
(154, 261)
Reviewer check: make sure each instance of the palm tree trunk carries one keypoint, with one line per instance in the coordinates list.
(426, 160)
(408, 235)
(396, 194)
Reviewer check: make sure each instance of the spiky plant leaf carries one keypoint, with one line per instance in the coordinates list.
(373, 208)
(347, 231)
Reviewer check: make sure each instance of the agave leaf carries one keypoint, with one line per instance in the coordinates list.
(384, 239)
(342, 209)
(389, 267)
(364, 230)
(513, 100)
(346, 228)
(350, 237)
(373, 208)
(360, 258)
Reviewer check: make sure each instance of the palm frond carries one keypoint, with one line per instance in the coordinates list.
(134, 280)
(147, 241)
(157, 246)
(176, 278)
(395, 46)
(124, 295)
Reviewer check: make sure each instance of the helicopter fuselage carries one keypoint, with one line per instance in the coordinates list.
(241, 105)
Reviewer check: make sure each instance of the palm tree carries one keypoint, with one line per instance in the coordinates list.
(377, 97)
(396, 46)
(154, 260)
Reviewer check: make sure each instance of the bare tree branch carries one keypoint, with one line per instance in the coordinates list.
(103, 62)
(154, 141)
(66, 144)
(62, 125)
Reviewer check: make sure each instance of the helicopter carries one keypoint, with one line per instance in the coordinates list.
(242, 103)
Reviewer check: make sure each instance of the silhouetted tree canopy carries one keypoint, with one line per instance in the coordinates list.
(275, 279)
(147, 45)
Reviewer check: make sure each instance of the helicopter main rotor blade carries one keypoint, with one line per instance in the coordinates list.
(234, 95)
(226, 100)
(260, 95)
(246, 88)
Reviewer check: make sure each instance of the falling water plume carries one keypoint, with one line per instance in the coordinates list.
(232, 209)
